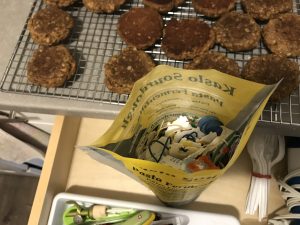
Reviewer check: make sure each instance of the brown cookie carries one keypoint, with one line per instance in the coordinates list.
(50, 26)
(140, 27)
(213, 8)
(187, 38)
(237, 32)
(59, 3)
(162, 6)
(214, 60)
(51, 66)
(282, 35)
(266, 9)
(178, 2)
(103, 6)
(123, 70)
(269, 69)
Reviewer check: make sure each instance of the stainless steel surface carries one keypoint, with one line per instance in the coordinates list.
(94, 40)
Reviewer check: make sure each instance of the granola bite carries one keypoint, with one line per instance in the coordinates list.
(51, 66)
(269, 69)
(282, 35)
(123, 70)
(237, 32)
(213, 8)
(59, 3)
(103, 6)
(140, 27)
(214, 60)
(266, 9)
(187, 38)
(50, 26)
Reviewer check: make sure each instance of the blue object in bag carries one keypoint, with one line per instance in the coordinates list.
(209, 124)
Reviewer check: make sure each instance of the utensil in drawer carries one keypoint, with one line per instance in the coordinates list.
(265, 151)
(290, 192)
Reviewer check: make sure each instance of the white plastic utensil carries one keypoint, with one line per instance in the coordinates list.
(255, 148)
(292, 197)
(265, 151)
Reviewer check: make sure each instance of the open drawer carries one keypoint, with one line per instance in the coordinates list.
(68, 169)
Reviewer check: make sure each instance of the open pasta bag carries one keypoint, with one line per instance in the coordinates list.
(181, 129)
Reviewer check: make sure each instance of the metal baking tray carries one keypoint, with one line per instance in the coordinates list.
(94, 40)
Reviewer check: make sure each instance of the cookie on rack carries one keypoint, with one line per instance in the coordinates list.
(59, 3)
(266, 9)
(269, 69)
(237, 32)
(282, 35)
(123, 70)
(51, 66)
(103, 6)
(50, 26)
(178, 2)
(163, 6)
(214, 60)
(213, 8)
(187, 38)
(140, 27)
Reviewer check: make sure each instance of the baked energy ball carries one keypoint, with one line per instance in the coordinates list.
(282, 35)
(50, 26)
(237, 32)
(103, 6)
(213, 8)
(187, 38)
(51, 66)
(140, 27)
(123, 70)
(269, 69)
(266, 9)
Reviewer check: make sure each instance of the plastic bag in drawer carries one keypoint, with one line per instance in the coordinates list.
(181, 129)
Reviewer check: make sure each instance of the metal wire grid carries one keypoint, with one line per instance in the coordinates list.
(94, 40)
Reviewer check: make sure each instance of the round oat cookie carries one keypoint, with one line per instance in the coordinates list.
(214, 60)
(187, 38)
(51, 66)
(213, 8)
(50, 26)
(59, 3)
(178, 2)
(162, 6)
(282, 35)
(237, 32)
(103, 6)
(266, 9)
(269, 69)
(140, 27)
(123, 70)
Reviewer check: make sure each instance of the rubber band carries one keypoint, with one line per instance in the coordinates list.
(254, 174)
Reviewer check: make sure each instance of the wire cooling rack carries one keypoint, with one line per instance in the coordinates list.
(94, 40)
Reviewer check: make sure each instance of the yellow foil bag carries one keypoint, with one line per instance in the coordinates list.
(164, 94)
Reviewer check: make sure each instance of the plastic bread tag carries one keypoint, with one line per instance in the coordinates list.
(181, 129)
